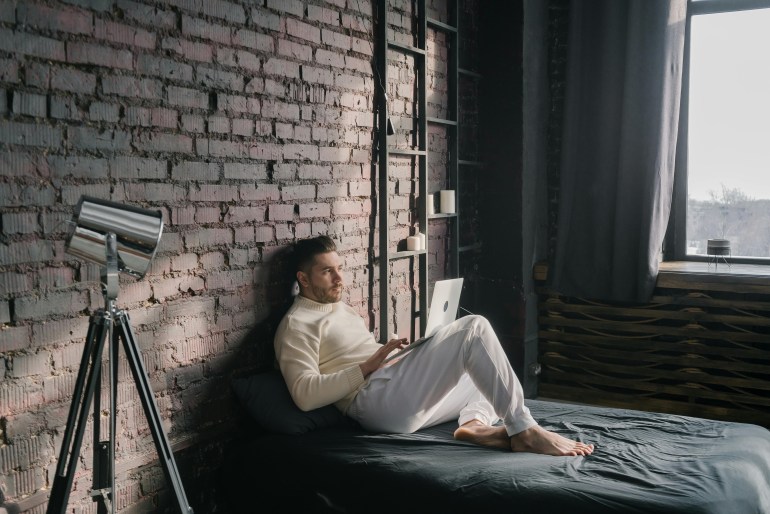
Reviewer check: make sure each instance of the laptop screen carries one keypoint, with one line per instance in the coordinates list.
(443, 304)
(443, 311)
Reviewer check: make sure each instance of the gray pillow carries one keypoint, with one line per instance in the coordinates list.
(267, 399)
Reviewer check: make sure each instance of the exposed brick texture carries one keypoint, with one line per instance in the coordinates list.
(249, 125)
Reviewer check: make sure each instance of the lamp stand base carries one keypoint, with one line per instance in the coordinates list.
(714, 259)
(115, 324)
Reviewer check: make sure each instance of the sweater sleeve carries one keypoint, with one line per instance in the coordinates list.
(297, 351)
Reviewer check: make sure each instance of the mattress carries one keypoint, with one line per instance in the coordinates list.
(643, 463)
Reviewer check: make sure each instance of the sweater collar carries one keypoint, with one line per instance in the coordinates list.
(312, 304)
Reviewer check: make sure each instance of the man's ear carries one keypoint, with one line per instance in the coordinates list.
(302, 279)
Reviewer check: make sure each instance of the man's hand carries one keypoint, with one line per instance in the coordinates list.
(375, 361)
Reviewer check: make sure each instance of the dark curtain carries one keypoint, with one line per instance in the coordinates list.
(624, 76)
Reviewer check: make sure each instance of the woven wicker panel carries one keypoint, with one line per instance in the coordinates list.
(694, 352)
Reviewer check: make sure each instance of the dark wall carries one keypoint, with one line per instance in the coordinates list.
(501, 105)
(515, 108)
(500, 208)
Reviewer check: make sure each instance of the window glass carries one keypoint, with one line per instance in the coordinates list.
(728, 171)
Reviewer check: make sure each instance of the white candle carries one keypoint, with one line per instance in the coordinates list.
(412, 243)
(447, 201)
(421, 236)
(429, 205)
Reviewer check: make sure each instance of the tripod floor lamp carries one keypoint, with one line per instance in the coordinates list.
(122, 239)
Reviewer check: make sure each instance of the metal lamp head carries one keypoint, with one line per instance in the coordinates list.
(137, 233)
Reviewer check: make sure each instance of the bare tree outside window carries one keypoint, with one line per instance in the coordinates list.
(729, 214)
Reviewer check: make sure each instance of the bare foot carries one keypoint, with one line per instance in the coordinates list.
(540, 440)
(477, 432)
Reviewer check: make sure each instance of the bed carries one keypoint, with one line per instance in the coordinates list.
(643, 463)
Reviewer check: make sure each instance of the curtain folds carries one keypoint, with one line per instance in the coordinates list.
(624, 77)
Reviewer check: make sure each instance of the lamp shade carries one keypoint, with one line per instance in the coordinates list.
(137, 232)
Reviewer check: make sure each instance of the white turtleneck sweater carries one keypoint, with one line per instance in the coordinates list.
(319, 347)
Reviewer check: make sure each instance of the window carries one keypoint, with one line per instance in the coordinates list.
(723, 176)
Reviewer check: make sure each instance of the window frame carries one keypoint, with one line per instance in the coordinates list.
(675, 243)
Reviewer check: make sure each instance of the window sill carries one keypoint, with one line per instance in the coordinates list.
(735, 277)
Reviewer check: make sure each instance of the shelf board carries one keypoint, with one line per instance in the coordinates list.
(439, 215)
(400, 151)
(406, 48)
(470, 248)
(463, 162)
(440, 25)
(463, 71)
(404, 254)
(442, 121)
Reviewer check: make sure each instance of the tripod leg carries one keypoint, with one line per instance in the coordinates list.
(88, 375)
(114, 355)
(103, 490)
(162, 446)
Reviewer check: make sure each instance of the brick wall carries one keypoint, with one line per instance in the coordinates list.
(248, 125)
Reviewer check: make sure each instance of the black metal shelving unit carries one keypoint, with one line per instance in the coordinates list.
(422, 22)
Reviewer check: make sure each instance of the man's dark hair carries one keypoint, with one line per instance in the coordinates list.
(306, 250)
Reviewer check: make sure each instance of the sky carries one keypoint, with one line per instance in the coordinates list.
(729, 128)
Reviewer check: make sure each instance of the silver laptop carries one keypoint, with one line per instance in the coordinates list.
(442, 311)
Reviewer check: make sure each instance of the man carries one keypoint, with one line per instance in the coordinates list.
(327, 355)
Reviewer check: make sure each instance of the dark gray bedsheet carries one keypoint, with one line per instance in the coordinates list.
(643, 463)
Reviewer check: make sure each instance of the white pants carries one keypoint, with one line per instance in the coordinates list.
(461, 373)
